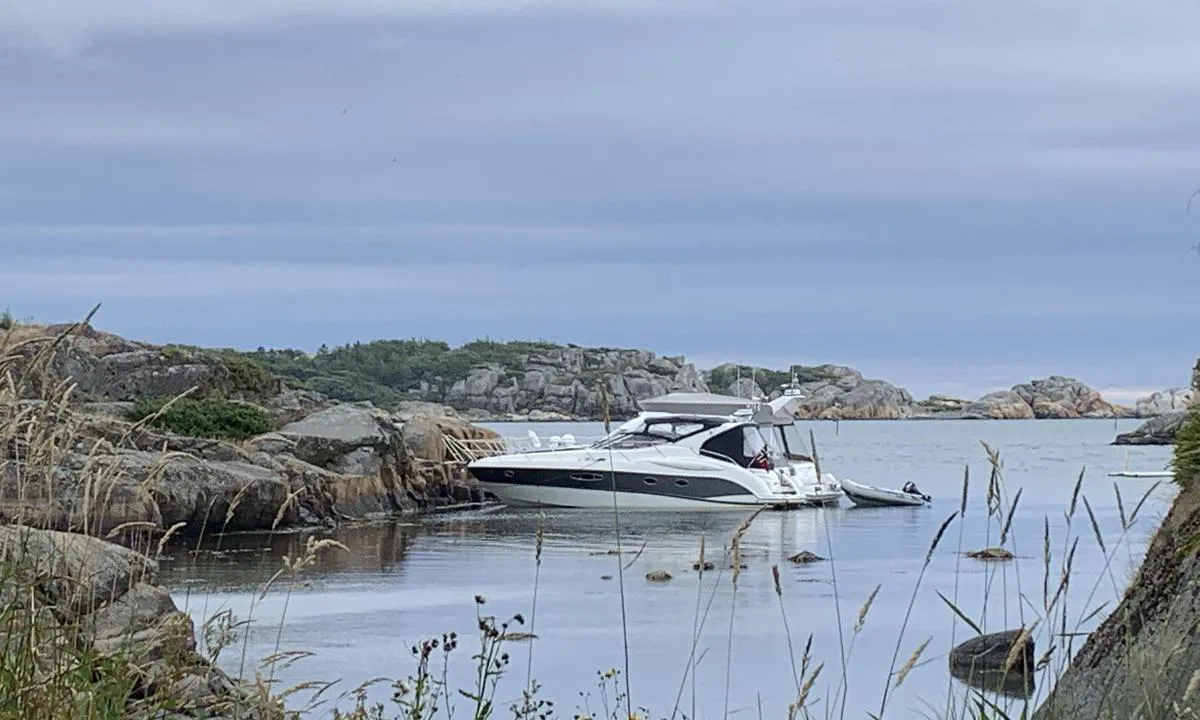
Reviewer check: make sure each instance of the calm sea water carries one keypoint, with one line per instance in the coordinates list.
(360, 612)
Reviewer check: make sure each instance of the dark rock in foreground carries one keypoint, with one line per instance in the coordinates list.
(990, 653)
(90, 596)
(1142, 661)
(1158, 430)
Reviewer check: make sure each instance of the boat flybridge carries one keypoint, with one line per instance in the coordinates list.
(700, 452)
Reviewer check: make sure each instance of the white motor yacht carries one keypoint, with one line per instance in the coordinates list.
(677, 461)
(685, 450)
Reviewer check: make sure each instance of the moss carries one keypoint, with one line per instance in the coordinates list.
(211, 417)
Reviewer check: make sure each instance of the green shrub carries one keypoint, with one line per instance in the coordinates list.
(212, 417)
(248, 375)
(1186, 459)
(6, 320)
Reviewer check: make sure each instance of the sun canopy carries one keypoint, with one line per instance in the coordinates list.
(780, 411)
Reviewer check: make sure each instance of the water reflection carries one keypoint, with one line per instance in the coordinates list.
(1013, 684)
(244, 559)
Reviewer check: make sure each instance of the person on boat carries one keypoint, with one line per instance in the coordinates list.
(910, 487)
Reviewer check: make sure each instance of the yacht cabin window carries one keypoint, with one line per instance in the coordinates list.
(743, 445)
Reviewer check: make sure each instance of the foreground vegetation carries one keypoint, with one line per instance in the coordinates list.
(48, 670)
(210, 417)
(1185, 460)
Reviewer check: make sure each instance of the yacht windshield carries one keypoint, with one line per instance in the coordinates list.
(794, 445)
(655, 431)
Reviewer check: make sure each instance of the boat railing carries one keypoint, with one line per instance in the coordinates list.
(462, 451)
(717, 455)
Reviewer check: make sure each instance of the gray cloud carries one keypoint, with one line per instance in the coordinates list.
(929, 188)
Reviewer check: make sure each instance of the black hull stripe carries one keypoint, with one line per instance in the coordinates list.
(690, 487)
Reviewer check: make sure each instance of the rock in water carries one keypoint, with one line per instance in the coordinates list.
(1050, 398)
(1164, 401)
(804, 557)
(1064, 397)
(990, 653)
(992, 553)
(999, 405)
(1160, 430)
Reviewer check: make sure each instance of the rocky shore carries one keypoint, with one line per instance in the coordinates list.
(542, 381)
(74, 460)
(89, 632)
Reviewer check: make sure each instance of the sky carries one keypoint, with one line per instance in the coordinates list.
(955, 197)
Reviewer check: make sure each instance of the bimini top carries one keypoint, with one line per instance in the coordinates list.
(697, 403)
(780, 411)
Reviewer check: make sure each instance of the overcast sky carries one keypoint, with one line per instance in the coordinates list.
(953, 196)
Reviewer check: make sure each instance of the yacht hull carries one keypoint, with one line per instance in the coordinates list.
(520, 495)
(594, 488)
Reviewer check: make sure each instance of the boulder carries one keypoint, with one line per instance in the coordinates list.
(1159, 430)
(76, 572)
(842, 393)
(991, 554)
(805, 557)
(1164, 401)
(106, 367)
(990, 653)
(1055, 397)
(346, 438)
(101, 601)
(567, 381)
(1064, 397)
(941, 405)
(999, 405)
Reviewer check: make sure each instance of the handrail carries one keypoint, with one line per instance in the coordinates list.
(719, 456)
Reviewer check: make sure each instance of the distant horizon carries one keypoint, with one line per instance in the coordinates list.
(1117, 395)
